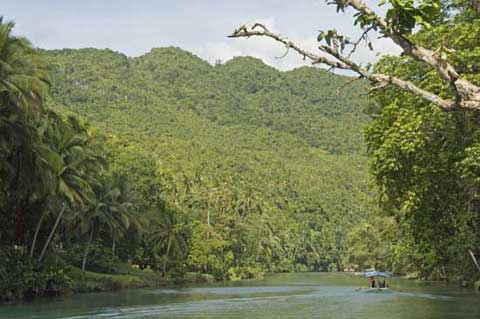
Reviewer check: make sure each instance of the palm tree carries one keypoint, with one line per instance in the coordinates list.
(123, 207)
(113, 211)
(247, 201)
(24, 81)
(166, 238)
(24, 84)
(74, 162)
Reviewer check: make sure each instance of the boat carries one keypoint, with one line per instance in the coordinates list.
(372, 273)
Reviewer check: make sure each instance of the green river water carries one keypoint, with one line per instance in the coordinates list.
(302, 295)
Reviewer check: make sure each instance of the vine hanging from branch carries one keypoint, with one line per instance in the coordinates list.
(398, 24)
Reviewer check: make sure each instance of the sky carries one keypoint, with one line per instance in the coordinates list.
(133, 27)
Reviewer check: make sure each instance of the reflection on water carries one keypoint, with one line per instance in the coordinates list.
(312, 295)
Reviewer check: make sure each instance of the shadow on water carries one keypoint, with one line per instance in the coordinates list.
(305, 295)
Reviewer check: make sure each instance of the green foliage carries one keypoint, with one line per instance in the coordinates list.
(371, 244)
(20, 278)
(424, 160)
(101, 259)
(241, 273)
(209, 252)
(23, 85)
(255, 167)
(168, 240)
(53, 169)
(192, 94)
(402, 15)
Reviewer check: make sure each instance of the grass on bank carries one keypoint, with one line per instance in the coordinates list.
(126, 276)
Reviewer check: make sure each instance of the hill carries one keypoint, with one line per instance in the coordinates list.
(283, 148)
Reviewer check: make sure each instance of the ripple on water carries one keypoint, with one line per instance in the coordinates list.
(180, 310)
(321, 302)
(284, 297)
(231, 290)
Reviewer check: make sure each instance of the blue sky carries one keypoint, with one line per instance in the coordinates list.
(199, 26)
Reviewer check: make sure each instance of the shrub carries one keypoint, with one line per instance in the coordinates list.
(247, 272)
(20, 278)
(100, 258)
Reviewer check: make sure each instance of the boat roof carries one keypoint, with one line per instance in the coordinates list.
(376, 274)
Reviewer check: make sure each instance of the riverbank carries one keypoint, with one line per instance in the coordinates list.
(95, 282)
(70, 279)
(134, 278)
(128, 276)
(74, 280)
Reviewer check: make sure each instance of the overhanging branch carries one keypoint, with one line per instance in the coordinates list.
(259, 29)
(344, 63)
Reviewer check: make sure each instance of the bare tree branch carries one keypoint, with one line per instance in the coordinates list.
(384, 80)
(356, 43)
(341, 62)
(243, 32)
(287, 49)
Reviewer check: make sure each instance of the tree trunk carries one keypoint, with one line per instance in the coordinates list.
(164, 268)
(84, 261)
(19, 203)
(20, 224)
(49, 239)
(475, 5)
(474, 260)
(34, 242)
(113, 244)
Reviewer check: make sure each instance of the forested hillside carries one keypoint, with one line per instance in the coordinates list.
(275, 159)
(158, 92)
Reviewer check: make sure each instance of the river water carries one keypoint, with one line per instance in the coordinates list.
(302, 295)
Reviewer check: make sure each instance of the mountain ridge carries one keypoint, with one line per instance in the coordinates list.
(224, 94)
(286, 140)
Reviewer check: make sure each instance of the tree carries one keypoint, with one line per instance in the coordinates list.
(113, 211)
(75, 162)
(422, 158)
(23, 87)
(166, 237)
(24, 80)
(210, 252)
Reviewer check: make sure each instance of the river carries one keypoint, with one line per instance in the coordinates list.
(301, 295)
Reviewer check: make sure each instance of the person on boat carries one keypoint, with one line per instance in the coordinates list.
(384, 284)
(372, 282)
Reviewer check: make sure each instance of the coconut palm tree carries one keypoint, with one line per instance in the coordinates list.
(166, 238)
(24, 84)
(75, 163)
(24, 80)
(114, 211)
(124, 208)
